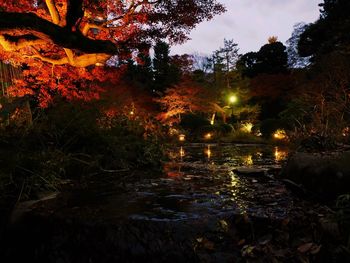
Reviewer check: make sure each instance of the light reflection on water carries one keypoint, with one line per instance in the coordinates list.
(236, 188)
(280, 155)
(207, 172)
(208, 152)
(232, 155)
(248, 160)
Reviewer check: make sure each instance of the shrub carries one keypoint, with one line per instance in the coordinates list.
(194, 122)
(66, 141)
(225, 128)
(269, 126)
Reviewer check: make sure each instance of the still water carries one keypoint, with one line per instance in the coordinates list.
(201, 181)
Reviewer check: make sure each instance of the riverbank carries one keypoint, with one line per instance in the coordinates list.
(199, 210)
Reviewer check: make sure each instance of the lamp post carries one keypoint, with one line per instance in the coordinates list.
(232, 100)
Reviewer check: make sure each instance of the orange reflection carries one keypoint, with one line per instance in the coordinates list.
(182, 137)
(280, 155)
(208, 152)
(248, 160)
(182, 152)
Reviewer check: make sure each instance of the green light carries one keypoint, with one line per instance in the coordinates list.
(233, 99)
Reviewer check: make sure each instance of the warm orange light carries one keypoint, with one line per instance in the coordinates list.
(208, 136)
(247, 127)
(208, 152)
(98, 64)
(248, 160)
(182, 152)
(280, 134)
(280, 155)
(182, 137)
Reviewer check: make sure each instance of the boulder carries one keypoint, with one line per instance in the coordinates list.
(327, 174)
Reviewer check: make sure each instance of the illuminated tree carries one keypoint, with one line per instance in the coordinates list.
(186, 97)
(86, 32)
(44, 35)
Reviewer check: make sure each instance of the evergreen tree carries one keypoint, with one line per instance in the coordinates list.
(165, 73)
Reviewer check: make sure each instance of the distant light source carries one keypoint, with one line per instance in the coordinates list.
(208, 136)
(99, 64)
(132, 113)
(212, 120)
(182, 137)
(233, 99)
(280, 134)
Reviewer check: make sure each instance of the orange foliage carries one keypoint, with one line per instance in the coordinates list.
(187, 97)
(59, 42)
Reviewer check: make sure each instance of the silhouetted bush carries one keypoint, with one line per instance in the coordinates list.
(69, 141)
(193, 122)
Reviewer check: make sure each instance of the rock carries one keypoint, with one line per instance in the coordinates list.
(326, 174)
(294, 187)
(254, 171)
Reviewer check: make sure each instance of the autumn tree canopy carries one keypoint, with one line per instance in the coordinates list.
(85, 32)
(60, 44)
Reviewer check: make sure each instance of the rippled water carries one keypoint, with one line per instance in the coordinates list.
(201, 182)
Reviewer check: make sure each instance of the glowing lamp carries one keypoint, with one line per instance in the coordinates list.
(233, 99)
(208, 136)
(182, 137)
(280, 135)
(132, 113)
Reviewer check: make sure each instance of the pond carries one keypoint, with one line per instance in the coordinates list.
(200, 205)
(200, 180)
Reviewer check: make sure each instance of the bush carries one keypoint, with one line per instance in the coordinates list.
(193, 122)
(242, 137)
(225, 128)
(269, 126)
(66, 141)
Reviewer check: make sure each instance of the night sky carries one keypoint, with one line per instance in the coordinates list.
(250, 23)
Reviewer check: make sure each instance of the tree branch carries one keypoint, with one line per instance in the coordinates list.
(53, 11)
(60, 36)
(75, 61)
